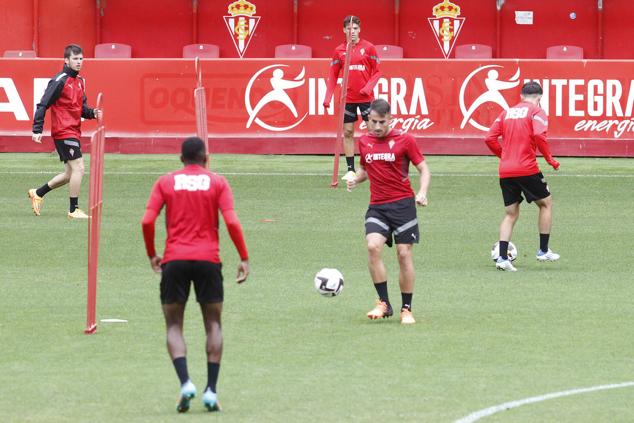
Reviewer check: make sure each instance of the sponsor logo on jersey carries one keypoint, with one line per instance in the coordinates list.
(191, 182)
(385, 157)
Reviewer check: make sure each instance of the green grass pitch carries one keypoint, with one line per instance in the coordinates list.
(483, 337)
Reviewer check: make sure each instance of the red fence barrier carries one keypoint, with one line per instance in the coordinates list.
(446, 104)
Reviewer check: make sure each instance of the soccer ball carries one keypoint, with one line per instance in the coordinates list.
(329, 282)
(495, 251)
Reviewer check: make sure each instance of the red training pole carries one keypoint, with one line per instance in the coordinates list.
(95, 202)
(342, 109)
(200, 101)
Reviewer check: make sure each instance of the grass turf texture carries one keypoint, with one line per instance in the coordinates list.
(483, 337)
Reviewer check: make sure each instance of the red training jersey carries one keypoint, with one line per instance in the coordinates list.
(363, 72)
(523, 129)
(192, 195)
(386, 161)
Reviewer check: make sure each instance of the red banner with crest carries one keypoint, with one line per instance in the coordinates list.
(275, 106)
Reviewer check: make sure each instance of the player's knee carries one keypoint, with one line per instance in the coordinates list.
(545, 203)
(348, 133)
(404, 255)
(374, 249)
(513, 213)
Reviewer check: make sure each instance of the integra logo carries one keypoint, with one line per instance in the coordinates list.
(385, 157)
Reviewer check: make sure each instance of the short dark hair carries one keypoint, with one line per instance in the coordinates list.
(532, 88)
(193, 150)
(72, 48)
(380, 106)
(351, 19)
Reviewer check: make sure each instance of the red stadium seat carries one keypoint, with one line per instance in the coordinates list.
(296, 51)
(19, 53)
(204, 51)
(474, 51)
(564, 52)
(113, 51)
(386, 51)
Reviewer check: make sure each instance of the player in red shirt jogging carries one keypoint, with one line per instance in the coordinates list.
(385, 157)
(66, 97)
(193, 196)
(362, 77)
(523, 129)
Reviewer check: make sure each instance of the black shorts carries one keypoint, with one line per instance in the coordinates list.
(534, 187)
(177, 276)
(397, 218)
(68, 149)
(350, 115)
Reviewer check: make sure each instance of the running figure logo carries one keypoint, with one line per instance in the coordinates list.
(492, 95)
(278, 94)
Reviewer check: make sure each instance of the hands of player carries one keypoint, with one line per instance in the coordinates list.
(155, 263)
(98, 113)
(554, 163)
(243, 271)
(37, 138)
(421, 199)
(351, 183)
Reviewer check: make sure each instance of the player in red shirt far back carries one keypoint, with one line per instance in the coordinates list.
(385, 158)
(523, 129)
(362, 77)
(193, 196)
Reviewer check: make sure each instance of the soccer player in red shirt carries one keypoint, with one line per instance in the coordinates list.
(385, 157)
(66, 97)
(523, 129)
(193, 196)
(362, 77)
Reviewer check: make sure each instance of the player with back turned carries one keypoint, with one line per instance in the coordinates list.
(192, 197)
(362, 77)
(523, 129)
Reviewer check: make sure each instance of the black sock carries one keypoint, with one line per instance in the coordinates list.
(543, 242)
(350, 163)
(43, 190)
(504, 250)
(381, 289)
(407, 300)
(180, 364)
(74, 202)
(212, 375)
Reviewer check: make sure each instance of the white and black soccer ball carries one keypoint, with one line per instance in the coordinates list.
(329, 282)
(495, 251)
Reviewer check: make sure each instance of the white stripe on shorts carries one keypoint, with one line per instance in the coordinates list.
(406, 226)
(378, 222)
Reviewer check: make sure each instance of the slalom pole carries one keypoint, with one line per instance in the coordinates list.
(200, 101)
(342, 109)
(95, 204)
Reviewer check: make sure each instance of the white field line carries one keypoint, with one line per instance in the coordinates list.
(477, 415)
(459, 175)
